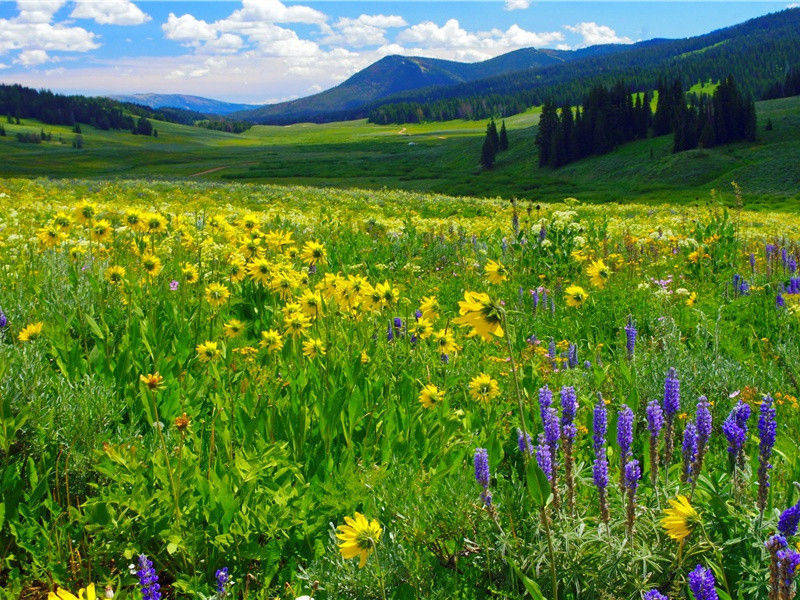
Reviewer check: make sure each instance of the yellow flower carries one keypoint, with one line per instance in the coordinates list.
(296, 323)
(430, 396)
(388, 295)
(496, 272)
(217, 294)
(154, 223)
(30, 332)
(429, 307)
(598, 273)
(445, 341)
(133, 219)
(260, 270)
(101, 230)
(233, 328)
(479, 312)
(208, 351)
(153, 381)
(115, 274)
(49, 236)
(151, 264)
(679, 519)
(313, 253)
(271, 340)
(364, 357)
(190, 274)
(691, 299)
(313, 348)
(422, 328)
(484, 388)
(575, 296)
(83, 594)
(311, 303)
(359, 537)
(85, 212)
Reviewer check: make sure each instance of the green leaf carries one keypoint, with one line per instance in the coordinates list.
(530, 585)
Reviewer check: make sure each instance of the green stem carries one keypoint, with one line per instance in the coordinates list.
(516, 382)
(550, 551)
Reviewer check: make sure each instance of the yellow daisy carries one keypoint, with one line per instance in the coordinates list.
(478, 311)
(483, 387)
(575, 296)
(679, 519)
(598, 273)
(430, 396)
(496, 272)
(30, 332)
(359, 537)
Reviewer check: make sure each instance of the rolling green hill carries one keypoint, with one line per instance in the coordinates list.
(432, 157)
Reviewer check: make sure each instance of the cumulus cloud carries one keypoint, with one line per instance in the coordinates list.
(251, 28)
(452, 41)
(592, 34)
(366, 30)
(109, 12)
(30, 58)
(38, 11)
(517, 4)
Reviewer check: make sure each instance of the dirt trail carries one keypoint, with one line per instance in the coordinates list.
(215, 169)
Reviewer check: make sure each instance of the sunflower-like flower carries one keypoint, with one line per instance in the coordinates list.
(311, 303)
(83, 594)
(208, 351)
(153, 381)
(496, 271)
(429, 307)
(154, 223)
(101, 230)
(233, 328)
(445, 341)
(260, 271)
(190, 273)
(478, 311)
(484, 388)
(430, 396)
(151, 264)
(422, 328)
(296, 323)
(313, 253)
(115, 274)
(314, 347)
(30, 332)
(271, 340)
(575, 296)
(598, 273)
(679, 518)
(359, 537)
(217, 294)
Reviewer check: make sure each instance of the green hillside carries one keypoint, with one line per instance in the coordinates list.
(434, 157)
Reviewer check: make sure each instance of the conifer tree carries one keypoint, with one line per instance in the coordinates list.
(503, 136)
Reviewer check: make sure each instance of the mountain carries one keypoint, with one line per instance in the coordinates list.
(403, 88)
(756, 52)
(206, 106)
(394, 74)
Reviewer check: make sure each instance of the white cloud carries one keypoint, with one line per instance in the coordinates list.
(188, 30)
(38, 11)
(452, 41)
(517, 4)
(31, 58)
(366, 30)
(109, 12)
(592, 34)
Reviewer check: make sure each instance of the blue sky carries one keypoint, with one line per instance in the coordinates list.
(267, 50)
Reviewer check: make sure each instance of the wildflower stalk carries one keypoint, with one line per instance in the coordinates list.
(159, 429)
(550, 551)
(517, 388)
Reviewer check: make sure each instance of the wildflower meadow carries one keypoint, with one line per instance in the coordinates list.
(253, 392)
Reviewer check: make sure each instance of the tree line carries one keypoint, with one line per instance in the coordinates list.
(493, 143)
(227, 125)
(612, 116)
(789, 85)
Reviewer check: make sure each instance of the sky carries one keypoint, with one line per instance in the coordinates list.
(262, 51)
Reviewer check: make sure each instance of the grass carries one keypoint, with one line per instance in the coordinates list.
(429, 157)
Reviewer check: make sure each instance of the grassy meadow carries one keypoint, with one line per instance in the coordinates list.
(431, 158)
(220, 390)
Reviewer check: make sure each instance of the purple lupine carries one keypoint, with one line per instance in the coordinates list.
(655, 422)
(535, 297)
(624, 439)
(481, 462)
(3, 319)
(654, 595)
(572, 356)
(703, 584)
(600, 477)
(223, 579)
(752, 262)
(734, 432)
(630, 337)
(148, 579)
(774, 545)
(569, 408)
(600, 426)
(552, 434)
(789, 520)
(542, 233)
(767, 429)
(788, 562)
(545, 400)
(779, 301)
(672, 404)
(544, 458)
(704, 422)
(689, 450)
(633, 473)
(524, 442)
(390, 333)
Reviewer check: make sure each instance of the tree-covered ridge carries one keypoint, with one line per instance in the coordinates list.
(614, 116)
(22, 102)
(755, 53)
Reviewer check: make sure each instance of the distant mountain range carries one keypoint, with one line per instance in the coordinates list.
(756, 52)
(206, 106)
(395, 74)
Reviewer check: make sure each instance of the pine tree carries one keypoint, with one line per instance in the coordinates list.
(490, 146)
(491, 130)
(548, 122)
(503, 136)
